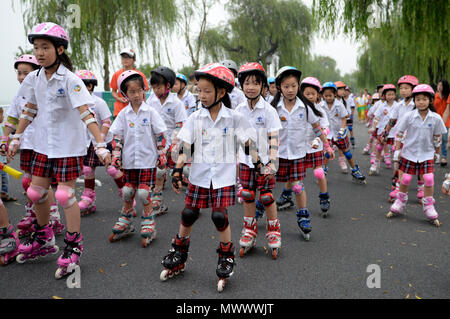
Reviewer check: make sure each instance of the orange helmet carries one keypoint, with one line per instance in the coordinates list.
(340, 84)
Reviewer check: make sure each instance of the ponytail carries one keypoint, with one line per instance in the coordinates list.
(65, 60)
(227, 101)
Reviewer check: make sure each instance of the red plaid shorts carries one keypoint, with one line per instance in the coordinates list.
(412, 168)
(91, 159)
(199, 197)
(313, 160)
(291, 170)
(136, 177)
(342, 144)
(250, 180)
(62, 169)
(26, 156)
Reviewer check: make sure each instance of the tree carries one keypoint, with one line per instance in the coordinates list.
(322, 68)
(258, 29)
(411, 33)
(105, 25)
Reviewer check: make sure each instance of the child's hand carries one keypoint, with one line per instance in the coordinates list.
(176, 180)
(446, 185)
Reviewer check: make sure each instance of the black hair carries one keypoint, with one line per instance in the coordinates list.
(134, 77)
(445, 89)
(430, 106)
(157, 79)
(65, 60)
(259, 77)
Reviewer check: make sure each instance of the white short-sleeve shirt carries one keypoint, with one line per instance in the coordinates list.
(172, 112)
(374, 108)
(15, 110)
(382, 114)
(59, 130)
(293, 135)
(189, 102)
(102, 112)
(215, 145)
(335, 114)
(264, 119)
(323, 123)
(400, 110)
(138, 131)
(418, 145)
(237, 97)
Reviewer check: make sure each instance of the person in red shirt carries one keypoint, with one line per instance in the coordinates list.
(128, 61)
(442, 103)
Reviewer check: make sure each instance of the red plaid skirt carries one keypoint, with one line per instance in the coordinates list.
(291, 170)
(412, 168)
(374, 133)
(62, 169)
(390, 141)
(26, 156)
(250, 180)
(313, 160)
(199, 197)
(91, 159)
(342, 144)
(136, 177)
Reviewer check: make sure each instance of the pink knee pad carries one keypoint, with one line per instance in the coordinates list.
(379, 147)
(406, 179)
(113, 172)
(428, 179)
(319, 173)
(297, 188)
(65, 195)
(37, 194)
(26, 181)
(88, 172)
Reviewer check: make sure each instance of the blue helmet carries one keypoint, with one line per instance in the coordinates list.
(182, 77)
(329, 85)
(271, 80)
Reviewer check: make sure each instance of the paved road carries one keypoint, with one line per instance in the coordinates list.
(411, 254)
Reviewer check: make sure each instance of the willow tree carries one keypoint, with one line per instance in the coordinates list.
(258, 29)
(104, 26)
(408, 33)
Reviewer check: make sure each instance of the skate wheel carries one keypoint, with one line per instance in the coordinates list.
(2, 261)
(221, 284)
(307, 237)
(324, 214)
(164, 275)
(390, 215)
(59, 273)
(112, 238)
(242, 252)
(20, 258)
(436, 223)
(275, 253)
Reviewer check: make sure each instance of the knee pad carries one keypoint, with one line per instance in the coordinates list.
(248, 195)
(319, 173)
(186, 171)
(37, 194)
(428, 179)
(113, 172)
(160, 173)
(379, 147)
(26, 181)
(220, 218)
(65, 195)
(88, 171)
(189, 215)
(128, 192)
(406, 179)
(143, 193)
(298, 188)
(266, 197)
(348, 155)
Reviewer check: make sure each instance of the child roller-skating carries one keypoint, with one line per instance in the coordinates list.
(418, 152)
(258, 178)
(285, 200)
(140, 160)
(71, 255)
(211, 183)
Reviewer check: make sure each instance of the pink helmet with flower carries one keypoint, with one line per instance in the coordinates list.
(87, 76)
(408, 79)
(122, 77)
(423, 89)
(51, 31)
(312, 82)
(388, 87)
(218, 74)
(27, 58)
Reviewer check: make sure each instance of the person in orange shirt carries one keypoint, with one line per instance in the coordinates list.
(128, 61)
(441, 103)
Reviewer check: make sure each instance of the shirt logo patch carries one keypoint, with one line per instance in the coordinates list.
(282, 119)
(145, 122)
(131, 125)
(429, 125)
(60, 91)
(300, 115)
(77, 88)
(169, 110)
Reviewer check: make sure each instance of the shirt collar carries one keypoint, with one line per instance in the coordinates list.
(223, 112)
(58, 75)
(144, 107)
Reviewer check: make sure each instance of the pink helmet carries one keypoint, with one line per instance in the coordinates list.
(311, 81)
(87, 76)
(51, 31)
(408, 79)
(424, 89)
(27, 58)
(218, 74)
(387, 87)
(122, 77)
